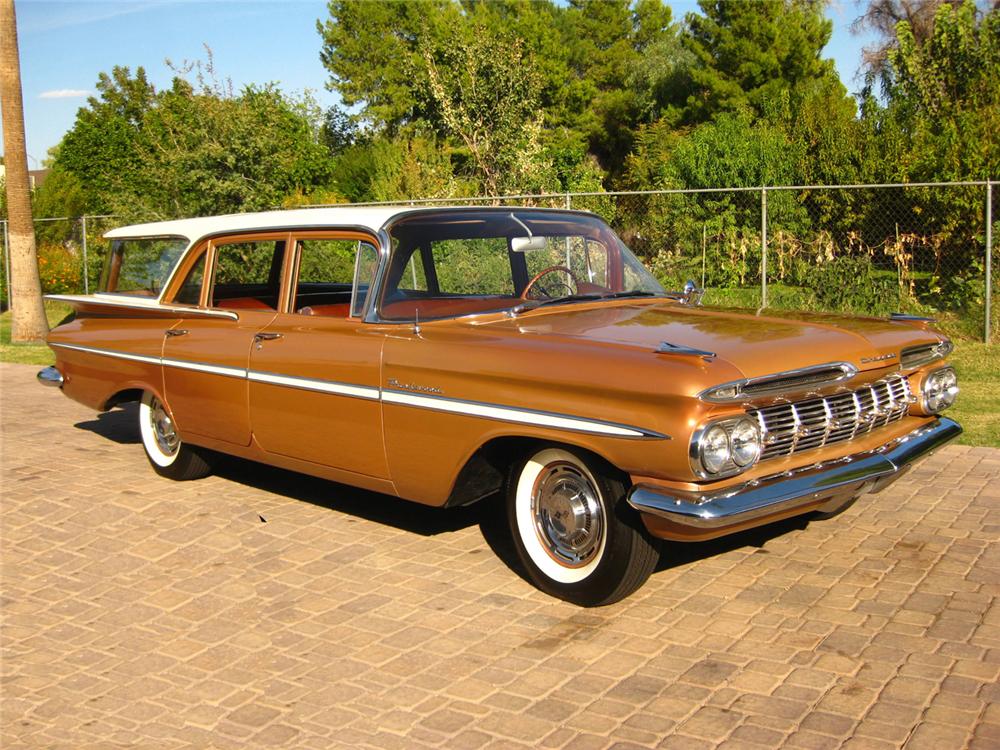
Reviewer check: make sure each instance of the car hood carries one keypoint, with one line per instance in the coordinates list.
(756, 344)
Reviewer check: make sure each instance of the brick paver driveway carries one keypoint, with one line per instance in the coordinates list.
(262, 608)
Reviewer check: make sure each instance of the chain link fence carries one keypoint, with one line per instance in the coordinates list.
(858, 249)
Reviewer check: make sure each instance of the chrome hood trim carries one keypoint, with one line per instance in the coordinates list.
(788, 383)
(913, 357)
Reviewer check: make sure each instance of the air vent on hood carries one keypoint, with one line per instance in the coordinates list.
(781, 383)
(915, 356)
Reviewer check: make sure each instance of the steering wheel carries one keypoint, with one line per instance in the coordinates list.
(547, 290)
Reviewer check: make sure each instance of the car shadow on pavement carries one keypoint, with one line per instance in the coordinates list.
(675, 554)
(120, 425)
(371, 506)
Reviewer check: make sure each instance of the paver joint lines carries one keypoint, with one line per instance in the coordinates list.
(139, 612)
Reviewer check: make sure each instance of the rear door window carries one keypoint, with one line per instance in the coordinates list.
(248, 274)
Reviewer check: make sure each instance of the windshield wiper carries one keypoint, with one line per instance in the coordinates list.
(566, 298)
(633, 293)
(532, 304)
(595, 295)
(587, 297)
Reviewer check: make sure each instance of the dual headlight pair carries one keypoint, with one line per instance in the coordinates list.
(726, 447)
(938, 390)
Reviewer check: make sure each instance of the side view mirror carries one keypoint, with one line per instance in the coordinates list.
(692, 294)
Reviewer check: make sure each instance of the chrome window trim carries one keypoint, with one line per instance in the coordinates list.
(213, 236)
(848, 371)
(370, 314)
(373, 315)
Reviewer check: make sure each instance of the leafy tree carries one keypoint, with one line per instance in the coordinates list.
(579, 61)
(372, 53)
(485, 91)
(339, 131)
(413, 164)
(137, 152)
(945, 95)
(756, 55)
(939, 122)
(882, 16)
(100, 149)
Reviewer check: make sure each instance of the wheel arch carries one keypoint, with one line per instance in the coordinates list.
(124, 396)
(485, 470)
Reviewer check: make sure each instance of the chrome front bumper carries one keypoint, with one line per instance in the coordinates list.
(50, 376)
(823, 486)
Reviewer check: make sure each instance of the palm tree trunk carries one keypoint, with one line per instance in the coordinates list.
(28, 321)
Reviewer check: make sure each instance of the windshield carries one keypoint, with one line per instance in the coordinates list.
(450, 263)
(141, 267)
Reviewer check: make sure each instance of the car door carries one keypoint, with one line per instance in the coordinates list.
(314, 372)
(205, 357)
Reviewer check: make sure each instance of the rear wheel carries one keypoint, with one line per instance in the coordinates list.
(574, 532)
(168, 456)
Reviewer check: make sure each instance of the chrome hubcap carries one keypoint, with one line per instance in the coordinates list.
(163, 428)
(568, 515)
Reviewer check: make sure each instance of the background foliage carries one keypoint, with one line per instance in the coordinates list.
(453, 98)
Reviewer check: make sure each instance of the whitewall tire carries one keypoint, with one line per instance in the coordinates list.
(573, 531)
(168, 456)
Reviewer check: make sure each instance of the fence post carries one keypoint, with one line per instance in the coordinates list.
(86, 268)
(989, 260)
(569, 201)
(6, 262)
(763, 247)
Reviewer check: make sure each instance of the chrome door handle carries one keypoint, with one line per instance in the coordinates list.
(267, 336)
(177, 332)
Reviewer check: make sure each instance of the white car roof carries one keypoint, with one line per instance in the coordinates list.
(372, 218)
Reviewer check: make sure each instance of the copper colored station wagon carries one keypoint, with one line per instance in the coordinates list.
(445, 354)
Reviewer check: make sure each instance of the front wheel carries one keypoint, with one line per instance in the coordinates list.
(168, 456)
(573, 530)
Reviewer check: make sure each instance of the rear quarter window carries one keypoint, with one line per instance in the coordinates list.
(140, 267)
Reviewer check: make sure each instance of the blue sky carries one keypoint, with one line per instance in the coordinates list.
(64, 45)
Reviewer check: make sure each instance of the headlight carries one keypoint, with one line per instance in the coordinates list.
(715, 451)
(939, 389)
(726, 447)
(745, 441)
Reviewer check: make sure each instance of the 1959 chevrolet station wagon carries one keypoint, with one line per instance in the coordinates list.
(445, 354)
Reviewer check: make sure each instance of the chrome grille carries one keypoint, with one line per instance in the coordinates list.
(813, 423)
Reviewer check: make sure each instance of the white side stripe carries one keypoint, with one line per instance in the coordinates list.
(435, 403)
(507, 414)
(232, 372)
(311, 384)
(111, 353)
